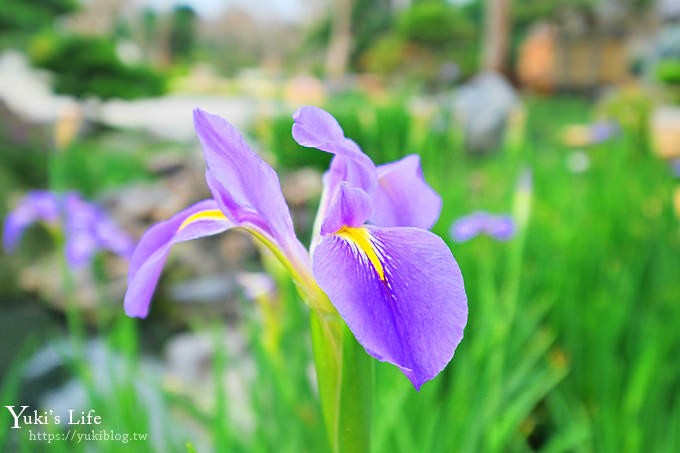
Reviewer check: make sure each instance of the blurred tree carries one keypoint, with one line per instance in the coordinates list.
(428, 39)
(85, 66)
(149, 23)
(434, 23)
(340, 44)
(496, 35)
(31, 15)
(182, 37)
(368, 21)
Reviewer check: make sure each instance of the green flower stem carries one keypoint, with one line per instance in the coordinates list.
(345, 376)
(344, 370)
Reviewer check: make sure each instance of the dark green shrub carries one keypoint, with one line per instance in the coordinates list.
(85, 66)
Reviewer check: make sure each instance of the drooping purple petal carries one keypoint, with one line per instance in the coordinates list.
(315, 128)
(37, 205)
(500, 227)
(245, 187)
(403, 198)
(201, 219)
(113, 238)
(350, 207)
(414, 317)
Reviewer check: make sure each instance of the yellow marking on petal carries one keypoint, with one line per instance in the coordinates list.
(208, 214)
(362, 239)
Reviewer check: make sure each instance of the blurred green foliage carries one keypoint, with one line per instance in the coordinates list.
(26, 16)
(423, 38)
(437, 24)
(631, 108)
(668, 71)
(182, 37)
(88, 66)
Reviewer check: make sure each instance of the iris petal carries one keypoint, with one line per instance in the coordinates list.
(350, 207)
(38, 205)
(403, 198)
(316, 128)
(500, 227)
(414, 316)
(201, 219)
(246, 188)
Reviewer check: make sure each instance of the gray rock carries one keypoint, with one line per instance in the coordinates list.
(482, 107)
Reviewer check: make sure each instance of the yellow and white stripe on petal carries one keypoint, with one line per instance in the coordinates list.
(208, 214)
(361, 239)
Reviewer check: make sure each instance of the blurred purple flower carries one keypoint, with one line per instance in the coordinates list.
(396, 285)
(501, 227)
(602, 131)
(87, 229)
(675, 167)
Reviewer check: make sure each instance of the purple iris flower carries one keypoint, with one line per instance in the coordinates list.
(602, 131)
(675, 167)
(396, 285)
(501, 227)
(87, 229)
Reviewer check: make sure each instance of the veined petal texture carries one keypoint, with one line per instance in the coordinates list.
(245, 187)
(401, 293)
(351, 207)
(403, 198)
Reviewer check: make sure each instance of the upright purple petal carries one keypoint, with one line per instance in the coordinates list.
(403, 198)
(315, 128)
(37, 205)
(401, 293)
(350, 207)
(245, 187)
(80, 218)
(80, 247)
(201, 219)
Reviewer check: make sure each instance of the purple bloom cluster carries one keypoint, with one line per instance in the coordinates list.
(87, 229)
(500, 227)
(396, 285)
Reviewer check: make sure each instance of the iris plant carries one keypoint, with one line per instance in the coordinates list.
(86, 227)
(372, 261)
(500, 227)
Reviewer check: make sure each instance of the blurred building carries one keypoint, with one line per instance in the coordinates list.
(581, 51)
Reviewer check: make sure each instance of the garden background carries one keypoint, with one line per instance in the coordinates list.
(563, 114)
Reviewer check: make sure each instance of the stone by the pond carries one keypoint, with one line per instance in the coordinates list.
(482, 108)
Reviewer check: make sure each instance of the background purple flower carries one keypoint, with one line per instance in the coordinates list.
(602, 131)
(500, 227)
(675, 167)
(86, 227)
(37, 206)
